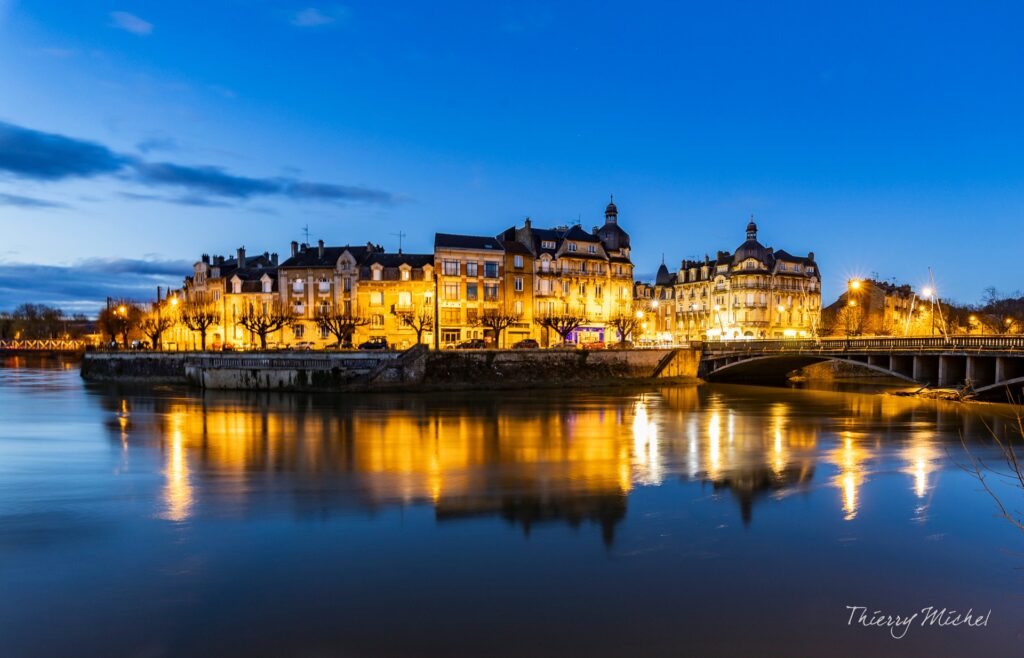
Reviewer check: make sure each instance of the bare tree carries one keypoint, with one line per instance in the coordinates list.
(199, 318)
(497, 321)
(341, 324)
(119, 319)
(1012, 471)
(265, 319)
(850, 319)
(154, 327)
(1002, 313)
(418, 320)
(625, 324)
(562, 324)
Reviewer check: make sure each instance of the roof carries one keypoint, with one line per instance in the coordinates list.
(310, 256)
(397, 260)
(513, 247)
(453, 241)
(577, 233)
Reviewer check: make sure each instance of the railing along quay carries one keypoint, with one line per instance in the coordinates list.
(886, 344)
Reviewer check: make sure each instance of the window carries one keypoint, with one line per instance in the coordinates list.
(449, 335)
(267, 284)
(592, 249)
(583, 290)
(376, 298)
(325, 285)
(404, 299)
(377, 320)
(517, 262)
(451, 268)
(544, 287)
(406, 275)
(545, 265)
(298, 285)
(518, 284)
(472, 269)
(490, 292)
(472, 290)
(299, 330)
(518, 307)
(216, 295)
(491, 270)
(378, 273)
(572, 246)
(325, 332)
(300, 309)
(547, 244)
(451, 316)
(451, 291)
(471, 316)
(347, 283)
(236, 287)
(565, 287)
(597, 291)
(583, 268)
(325, 308)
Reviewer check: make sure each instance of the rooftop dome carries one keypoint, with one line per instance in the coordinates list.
(662, 278)
(751, 248)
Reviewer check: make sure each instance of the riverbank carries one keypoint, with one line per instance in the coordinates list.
(414, 369)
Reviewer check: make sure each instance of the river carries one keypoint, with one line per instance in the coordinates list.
(688, 520)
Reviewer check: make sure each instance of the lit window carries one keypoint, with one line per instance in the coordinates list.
(451, 268)
(378, 273)
(376, 298)
(517, 261)
(405, 299)
(405, 275)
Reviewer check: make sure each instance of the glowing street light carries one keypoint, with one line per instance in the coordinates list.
(927, 293)
(854, 284)
(781, 308)
(639, 315)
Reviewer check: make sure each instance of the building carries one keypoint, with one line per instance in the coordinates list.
(381, 289)
(470, 278)
(878, 308)
(578, 273)
(228, 285)
(753, 292)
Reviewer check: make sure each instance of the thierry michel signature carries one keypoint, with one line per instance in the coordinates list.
(899, 625)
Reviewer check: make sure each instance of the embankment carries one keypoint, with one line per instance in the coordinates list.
(417, 368)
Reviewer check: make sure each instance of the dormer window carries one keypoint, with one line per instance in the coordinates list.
(267, 283)
(572, 246)
(547, 244)
(406, 274)
(236, 286)
(378, 273)
(592, 249)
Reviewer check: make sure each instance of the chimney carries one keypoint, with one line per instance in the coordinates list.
(295, 248)
(206, 258)
(528, 224)
(273, 259)
(319, 248)
(810, 255)
(241, 257)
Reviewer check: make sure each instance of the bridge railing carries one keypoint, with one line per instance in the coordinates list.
(42, 345)
(936, 343)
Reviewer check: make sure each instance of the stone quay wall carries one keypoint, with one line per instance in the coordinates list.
(415, 369)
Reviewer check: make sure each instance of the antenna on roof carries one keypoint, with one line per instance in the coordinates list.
(400, 236)
(305, 231)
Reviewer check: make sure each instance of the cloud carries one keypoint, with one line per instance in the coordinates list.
(27, 202)
(85, 285)
(122, 20)
(45, 156)
(36, 155)
(157, 144)
(313, 17)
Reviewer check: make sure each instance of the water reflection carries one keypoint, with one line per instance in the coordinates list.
(573, 458)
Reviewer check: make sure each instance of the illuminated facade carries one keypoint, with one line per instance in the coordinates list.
(754, 292)
(576, 272)
(877, 308)
(470, 282)
(361, 281)
(228, 285)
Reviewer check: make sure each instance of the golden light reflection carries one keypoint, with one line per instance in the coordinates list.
(922, 457)
(178, 490)
(850, 459)
(645, 446)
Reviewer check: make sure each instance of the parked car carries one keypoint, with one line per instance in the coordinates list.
(374, 344)
(593, 345)
(304, 345)
(472, 344)
(526, 344)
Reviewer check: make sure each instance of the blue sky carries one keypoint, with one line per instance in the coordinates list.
(884, 138)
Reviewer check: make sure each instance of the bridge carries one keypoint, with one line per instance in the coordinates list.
(42, 346)
(987, 365)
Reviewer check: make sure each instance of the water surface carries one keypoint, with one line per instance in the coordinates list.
(710, 520)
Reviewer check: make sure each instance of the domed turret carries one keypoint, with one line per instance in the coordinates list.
(611, 212)
(751, 248)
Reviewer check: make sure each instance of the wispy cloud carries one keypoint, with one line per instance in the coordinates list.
(157, 144)
(35, 155)
(28, 202)
(122, 20)
(314, 17)
(85, 284)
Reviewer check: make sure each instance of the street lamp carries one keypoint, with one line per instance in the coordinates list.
(854, 284)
